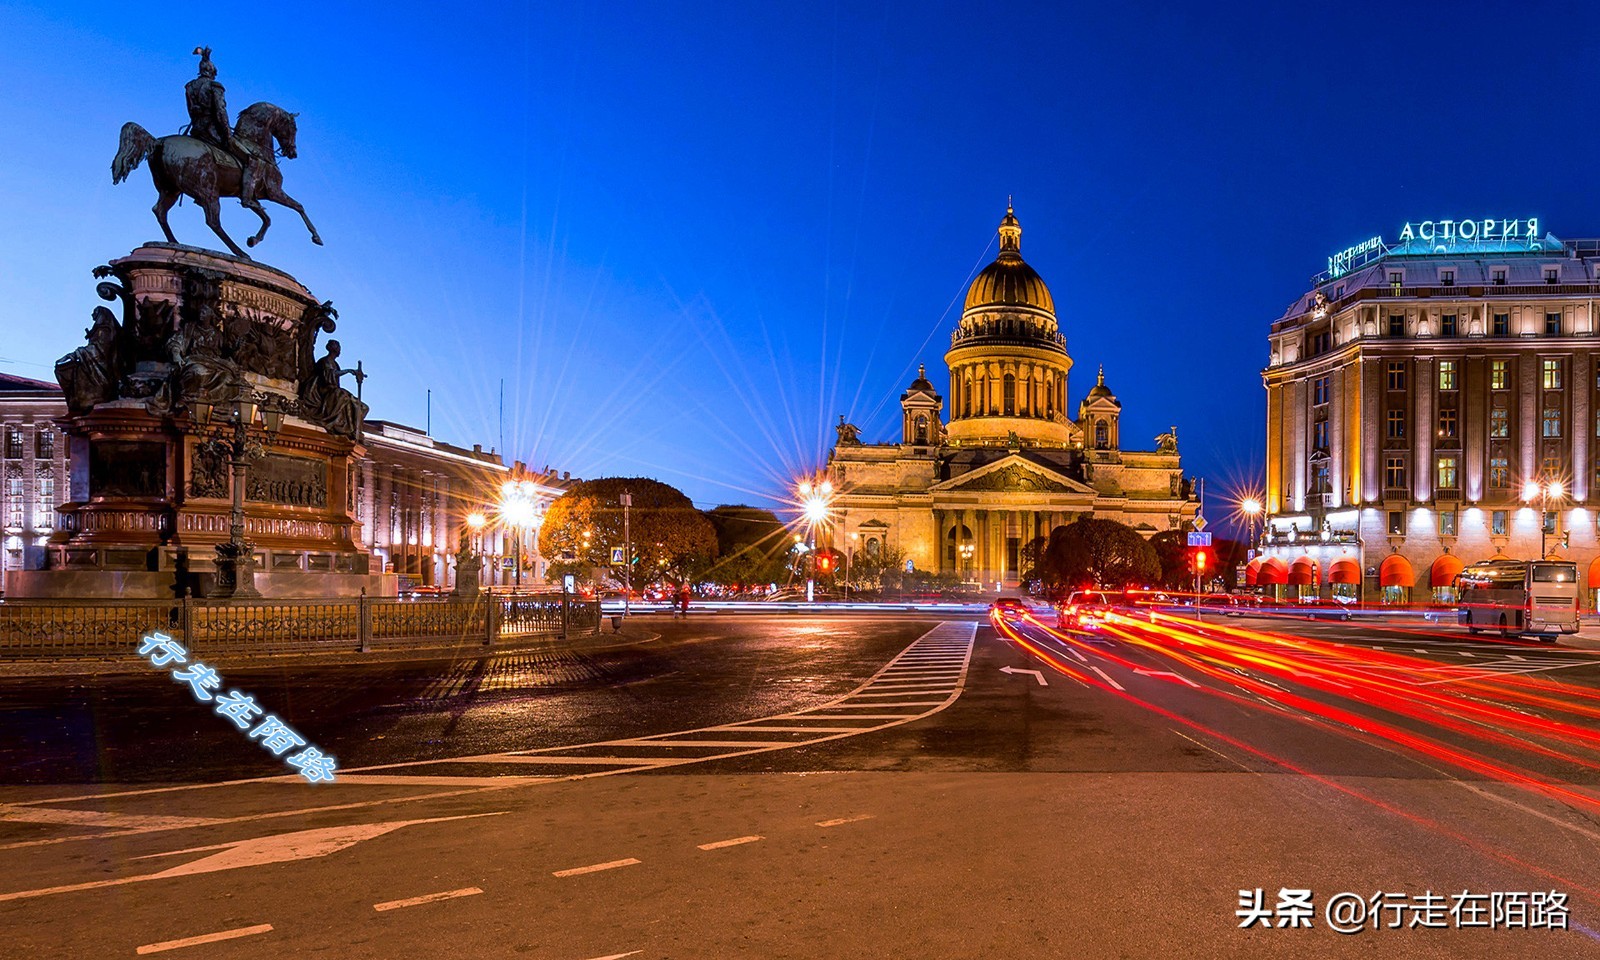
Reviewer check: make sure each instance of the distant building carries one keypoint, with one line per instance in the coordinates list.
(33, 469)
(413, 494)
(1432, 402)
(968, 496)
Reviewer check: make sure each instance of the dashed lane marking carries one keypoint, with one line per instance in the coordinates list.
(844, 820)
(233, 934)
(596, 867)
(736, 841)
(426, 898)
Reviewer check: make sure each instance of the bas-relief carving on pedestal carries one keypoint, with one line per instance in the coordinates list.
(127, 468)
(291, 481)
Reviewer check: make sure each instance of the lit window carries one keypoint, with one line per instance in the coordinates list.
(1552, 422)
(1499, 423)
(1447, 473)
(1497, 523)
(1397, 424)
(1396, 277)
(1499, 473)
(44, 444)
(13, 443)
(1552, 374)
(1447, 424)
(1447, 374)
(1500, 375)
(44, 514)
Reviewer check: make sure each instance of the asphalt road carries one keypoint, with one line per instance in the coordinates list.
(837, 787)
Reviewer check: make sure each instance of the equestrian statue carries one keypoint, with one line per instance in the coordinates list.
(208, 160)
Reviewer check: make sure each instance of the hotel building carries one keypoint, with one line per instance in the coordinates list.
(1431, 402)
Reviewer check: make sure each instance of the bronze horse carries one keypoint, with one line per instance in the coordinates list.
(181, 165)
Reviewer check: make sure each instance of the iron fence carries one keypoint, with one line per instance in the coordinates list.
(48, 629)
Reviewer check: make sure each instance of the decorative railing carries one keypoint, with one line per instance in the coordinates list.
(37, 629)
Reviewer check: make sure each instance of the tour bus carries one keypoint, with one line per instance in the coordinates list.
(1520, 597)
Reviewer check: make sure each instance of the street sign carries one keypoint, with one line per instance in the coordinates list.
(1198, 539)
(1199, 522)
(617, 558)
(569, 583)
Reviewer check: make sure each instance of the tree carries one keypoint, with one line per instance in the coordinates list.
(751, 545)
(670, 537)
(1095, 552)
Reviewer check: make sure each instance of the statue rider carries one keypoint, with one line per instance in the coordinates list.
(208, 122)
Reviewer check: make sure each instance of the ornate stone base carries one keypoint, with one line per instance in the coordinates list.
(163, 585)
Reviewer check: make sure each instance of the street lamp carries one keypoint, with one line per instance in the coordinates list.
(1543, 491)
(1251, 508)
(966, 550)
(519, 511)
(816, 499)
(244, 425)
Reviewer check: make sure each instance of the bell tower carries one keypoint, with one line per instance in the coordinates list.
(920, 407)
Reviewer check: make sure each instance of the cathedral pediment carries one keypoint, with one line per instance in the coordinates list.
(1013, 474)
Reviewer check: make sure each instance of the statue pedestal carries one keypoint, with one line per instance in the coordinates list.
(150, 489)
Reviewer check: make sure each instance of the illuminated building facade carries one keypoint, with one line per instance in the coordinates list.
(1432, 402)
(33, 470)
(966, 489)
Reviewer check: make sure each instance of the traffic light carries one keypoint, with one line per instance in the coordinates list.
(824, 562)
(1200, 561)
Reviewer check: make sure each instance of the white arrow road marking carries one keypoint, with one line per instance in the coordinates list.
(1035, 674)
(1165, 673)
(257, 851)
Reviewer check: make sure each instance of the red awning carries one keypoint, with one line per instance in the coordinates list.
(1396, 572)
(1344, 570)
(1443, 573)
(1303, 572)
(1272, 572)
(1594, 574)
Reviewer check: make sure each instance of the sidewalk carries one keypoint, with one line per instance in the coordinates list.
(438, 652)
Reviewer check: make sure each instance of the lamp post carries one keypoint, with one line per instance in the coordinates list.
(244, 425)
(966, 550)
(815, 499)
(627, 552)
(1251, 508)
(849, 558)
(1543, 491)
(519, 512)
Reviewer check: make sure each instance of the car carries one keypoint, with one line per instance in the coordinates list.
(1009, 608)
(1087, 609)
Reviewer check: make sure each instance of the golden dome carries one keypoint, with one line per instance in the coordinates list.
(1009, 281)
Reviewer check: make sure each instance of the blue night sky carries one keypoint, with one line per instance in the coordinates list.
(689, 236)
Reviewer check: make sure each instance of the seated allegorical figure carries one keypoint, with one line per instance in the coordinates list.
(323, 401)
(88, 375)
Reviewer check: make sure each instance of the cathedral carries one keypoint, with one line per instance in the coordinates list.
(965, 490)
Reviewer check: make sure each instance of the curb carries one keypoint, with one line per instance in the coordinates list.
(21, 669)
